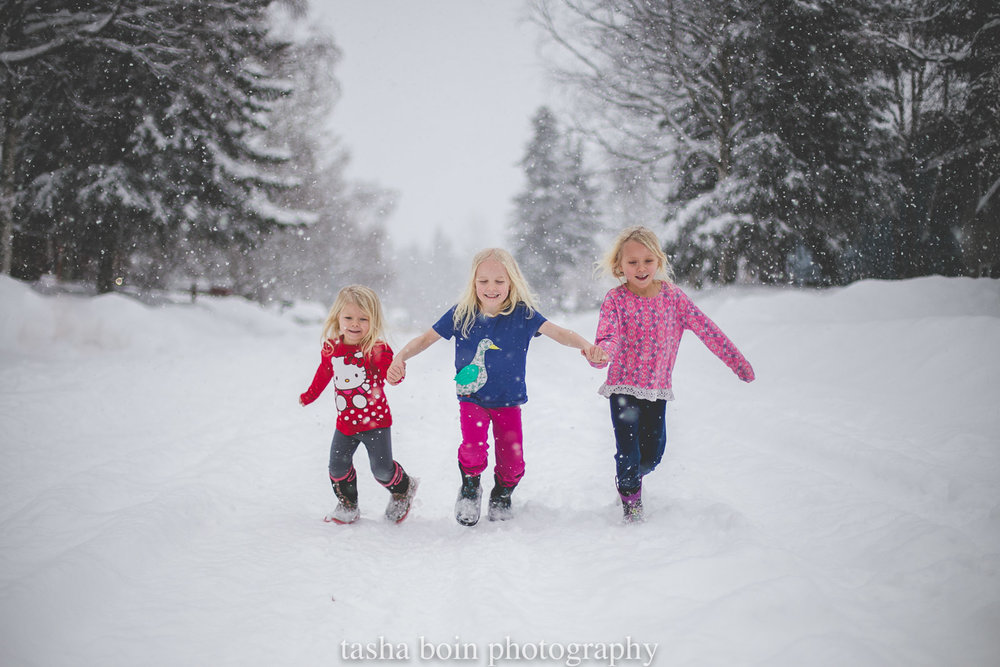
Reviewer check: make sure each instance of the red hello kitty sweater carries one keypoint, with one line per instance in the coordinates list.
(359, 380)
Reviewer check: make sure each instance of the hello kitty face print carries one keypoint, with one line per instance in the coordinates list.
(351, 381)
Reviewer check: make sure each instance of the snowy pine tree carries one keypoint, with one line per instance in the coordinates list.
(755, 120)
(340, 238)
(962, 42)
(149, 132)
(813, 115)
(980, 120)
(555, 217)
(658, 84)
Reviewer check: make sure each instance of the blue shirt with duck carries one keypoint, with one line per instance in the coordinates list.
(504, 368)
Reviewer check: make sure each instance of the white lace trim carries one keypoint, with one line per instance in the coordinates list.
(638, 392)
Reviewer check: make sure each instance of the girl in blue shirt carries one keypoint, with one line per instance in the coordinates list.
(492, 324)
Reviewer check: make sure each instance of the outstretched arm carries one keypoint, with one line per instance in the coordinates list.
(716, 341)
(322, 378)
(397, 371)
(570, 338)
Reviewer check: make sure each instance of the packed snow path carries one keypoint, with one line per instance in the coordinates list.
(162, 494)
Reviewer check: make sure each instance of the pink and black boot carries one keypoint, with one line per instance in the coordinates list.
(346, 490)
(402, 488)
(631, 504)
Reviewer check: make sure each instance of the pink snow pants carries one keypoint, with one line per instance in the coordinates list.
(473, 453)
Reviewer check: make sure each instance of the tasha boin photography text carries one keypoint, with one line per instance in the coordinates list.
(493, 654)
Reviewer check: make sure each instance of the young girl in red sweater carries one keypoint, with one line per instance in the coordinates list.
(356, 358)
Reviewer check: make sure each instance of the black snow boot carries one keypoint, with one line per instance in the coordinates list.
(468, 505)
(499, 506)
(346, 491)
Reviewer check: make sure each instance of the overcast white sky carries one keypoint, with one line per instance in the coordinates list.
(437, 102)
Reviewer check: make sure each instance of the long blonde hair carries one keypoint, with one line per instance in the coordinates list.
(365, 299)
(468, 309)
(611, 264)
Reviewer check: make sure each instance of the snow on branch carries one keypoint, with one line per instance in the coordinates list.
(985, 199)
(270, 211)
(86, 31)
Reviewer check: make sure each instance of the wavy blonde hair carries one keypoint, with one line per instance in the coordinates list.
(468, 308)
(611, 264)
(365, 299)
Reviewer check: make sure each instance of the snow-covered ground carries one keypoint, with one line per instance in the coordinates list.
(161, 495)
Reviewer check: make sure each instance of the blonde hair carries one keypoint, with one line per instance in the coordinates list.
(611, 264)
(468, 309)
(365, 299)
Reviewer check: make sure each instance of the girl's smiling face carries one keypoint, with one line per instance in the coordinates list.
(354, 324)
(639, 266)
(492, 286)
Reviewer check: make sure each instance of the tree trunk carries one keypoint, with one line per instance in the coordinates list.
(7, 152)
(108, 261)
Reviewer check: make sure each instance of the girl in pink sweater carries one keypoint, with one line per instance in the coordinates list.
(640, 328)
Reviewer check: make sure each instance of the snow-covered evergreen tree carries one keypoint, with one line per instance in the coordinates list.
(657, 85)
(966, 161)
(555, 218)
(980, 224)
(341, 240)
(755, 120)
(149, 131)
(813, 107)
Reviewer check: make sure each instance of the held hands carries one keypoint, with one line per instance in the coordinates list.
(596, 356)
(396, 372)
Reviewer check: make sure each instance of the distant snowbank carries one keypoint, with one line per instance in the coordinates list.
(35, 323)
(864, 301)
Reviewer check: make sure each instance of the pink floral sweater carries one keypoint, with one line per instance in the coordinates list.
(642, 334)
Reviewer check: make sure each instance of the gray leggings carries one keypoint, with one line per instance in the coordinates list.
(378, 442)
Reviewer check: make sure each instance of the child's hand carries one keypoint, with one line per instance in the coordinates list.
(302, 400)
(396, 372)
(746, 373)
(596, 356)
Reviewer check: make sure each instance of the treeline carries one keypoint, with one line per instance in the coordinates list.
(147, 141)
(802, 141)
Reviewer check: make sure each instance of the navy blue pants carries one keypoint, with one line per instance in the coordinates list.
(641, 436)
